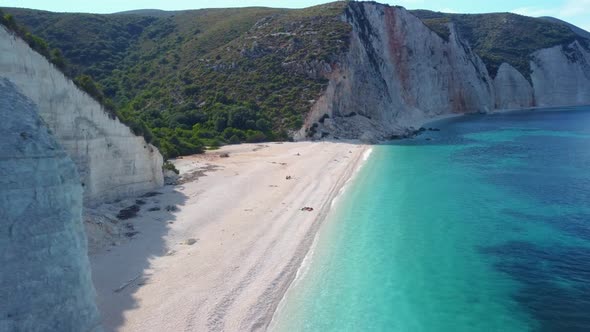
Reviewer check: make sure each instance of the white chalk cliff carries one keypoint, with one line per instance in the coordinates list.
(399, 73)
(45, 274)
(111, 160)
(561, 75)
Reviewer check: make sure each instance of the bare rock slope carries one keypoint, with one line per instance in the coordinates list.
(398, 73)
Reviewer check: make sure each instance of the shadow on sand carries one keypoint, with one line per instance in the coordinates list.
(119, 271)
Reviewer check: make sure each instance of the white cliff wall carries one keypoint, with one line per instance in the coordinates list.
(111, 160)
(561, 76)
(512, 90)
(398, 73)
(45, 274)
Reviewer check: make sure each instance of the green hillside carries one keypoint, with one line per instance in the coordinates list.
(190, 79)
(501, 37)
(202, 77)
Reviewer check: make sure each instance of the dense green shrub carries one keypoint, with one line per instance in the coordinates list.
(168, 166)
(255, 136)
(58, 59)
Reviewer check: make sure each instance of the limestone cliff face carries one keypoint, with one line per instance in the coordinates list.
(399, 73)
(45, 274)
(512, 89)
(561, 75)
(111, 160)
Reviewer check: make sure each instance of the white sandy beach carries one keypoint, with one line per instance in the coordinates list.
(251, 236)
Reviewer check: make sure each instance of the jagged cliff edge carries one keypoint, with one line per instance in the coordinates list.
(398, 73)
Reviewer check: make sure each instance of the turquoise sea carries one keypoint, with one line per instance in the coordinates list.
(484, 227)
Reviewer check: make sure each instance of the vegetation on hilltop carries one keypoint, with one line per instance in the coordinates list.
(93, 44)
(203, 77)
(196, 78)
(36, 43)
(501, 37)
(83, 81)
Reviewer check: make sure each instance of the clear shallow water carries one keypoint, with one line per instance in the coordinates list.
(486, 227)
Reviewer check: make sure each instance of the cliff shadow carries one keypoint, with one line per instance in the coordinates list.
(121, 268)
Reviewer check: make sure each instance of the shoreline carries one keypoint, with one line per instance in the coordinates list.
(440, 118)
(329, 205)
(443, 117)
(534, 108)
(264, 318)
(226, 258)
(221, 250)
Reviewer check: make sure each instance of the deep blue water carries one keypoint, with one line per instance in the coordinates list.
(483, 227)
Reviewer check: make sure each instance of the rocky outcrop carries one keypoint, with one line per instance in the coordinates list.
(111, 160)
(561, 75)
(398, 73)
(45, 274)
(512, 90)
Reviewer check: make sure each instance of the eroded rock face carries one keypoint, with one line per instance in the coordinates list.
(45, 274)
(398, 73)
(111, 160)
(561, 75)
(512, 90)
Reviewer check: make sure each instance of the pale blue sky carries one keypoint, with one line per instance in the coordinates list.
(574, 11)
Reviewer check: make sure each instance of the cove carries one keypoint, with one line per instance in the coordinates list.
(483, 226)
